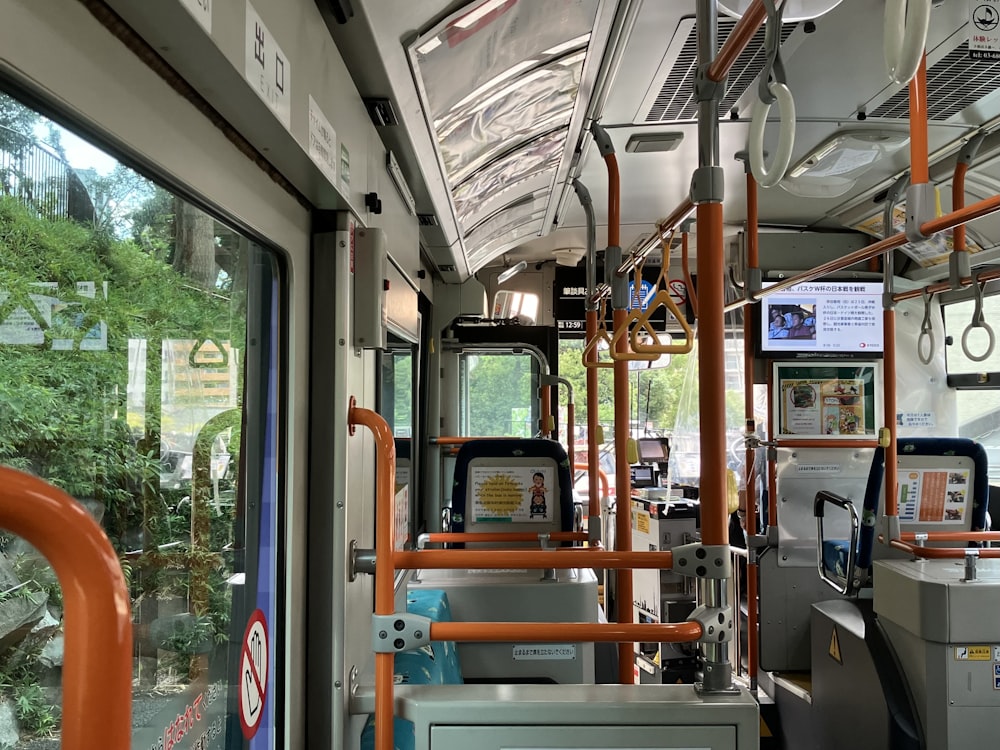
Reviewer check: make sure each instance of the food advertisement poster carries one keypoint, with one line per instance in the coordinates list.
(825, 401)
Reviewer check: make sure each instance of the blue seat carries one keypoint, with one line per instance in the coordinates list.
(533, 486)
(436, 664)
(912, 453)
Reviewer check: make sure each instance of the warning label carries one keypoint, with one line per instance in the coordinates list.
(973, 653)
(835, 647)
(253, 674)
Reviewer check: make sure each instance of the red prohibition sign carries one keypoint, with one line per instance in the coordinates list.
(254, 657)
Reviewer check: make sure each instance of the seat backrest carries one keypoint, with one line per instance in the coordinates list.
(943, 486)
(509, 484)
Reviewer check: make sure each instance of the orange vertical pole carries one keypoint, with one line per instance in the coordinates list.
(919, 167)
(712, 375)
(97, 668)
(957, 202)
(623, 481)
(385, 545)
(688, 281)
(593, 463)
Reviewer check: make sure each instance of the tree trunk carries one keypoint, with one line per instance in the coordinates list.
(194, 255)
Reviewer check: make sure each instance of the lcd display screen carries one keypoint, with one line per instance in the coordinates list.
(822, 318)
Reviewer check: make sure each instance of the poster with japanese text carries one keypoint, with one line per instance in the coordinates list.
(934, 495)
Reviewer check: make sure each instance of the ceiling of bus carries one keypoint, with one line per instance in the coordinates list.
(490, 172)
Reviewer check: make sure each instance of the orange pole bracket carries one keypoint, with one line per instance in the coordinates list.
(385, 542)
(97, 667)
(560, 632)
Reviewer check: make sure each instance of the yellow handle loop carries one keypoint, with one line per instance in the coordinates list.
(661, 299)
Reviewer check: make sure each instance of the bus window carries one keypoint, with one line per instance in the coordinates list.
(498, 395)
(978, 409)
(138, 372)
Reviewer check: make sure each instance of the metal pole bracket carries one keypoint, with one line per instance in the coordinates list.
(399, 632)
(703, 560)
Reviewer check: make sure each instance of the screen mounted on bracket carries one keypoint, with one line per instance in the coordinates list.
(827, 318)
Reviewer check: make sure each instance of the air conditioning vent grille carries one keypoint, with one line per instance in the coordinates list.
(954, 82)
(676, 100)
(427, 220)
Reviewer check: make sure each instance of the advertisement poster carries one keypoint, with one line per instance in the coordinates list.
(824, 407)
(514, 494)
(934, 495)
(834, 402)
(823, 318)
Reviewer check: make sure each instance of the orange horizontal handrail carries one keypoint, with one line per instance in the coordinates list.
(954, 536)
(462, 440)
(449, 537)
(942, 553)
(605, 485)
(737, 41)
(828, 443)
(97, 667)
(504, 559)
(951, 220)
(560, 632)
(945, 286)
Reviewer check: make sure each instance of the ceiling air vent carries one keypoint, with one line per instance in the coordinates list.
(381, 112)
(447, 268)
(427, 220)
(676, 98)
(953, 83)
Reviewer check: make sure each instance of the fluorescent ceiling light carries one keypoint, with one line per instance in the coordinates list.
(471, 18)
(511, 272)
(794, 10)
(573, 59)
(833, 167)
(509, 73)
(429, 46)
(567, 46)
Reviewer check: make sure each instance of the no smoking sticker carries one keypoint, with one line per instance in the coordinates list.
(253, 674)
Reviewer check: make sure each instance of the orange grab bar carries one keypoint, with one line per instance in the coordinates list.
(385, 488)
(964, 215)
(593, 460)
(957, 202)
(711, 375)
(560, 632)
(954, 536)
(443, 537)
(544, 425)
(945, 286)
(97, 676)
(942, 553)
(919, 167)
(571, 432)
(506, 559)
(688, 281)
(605, 485)
(737, 41)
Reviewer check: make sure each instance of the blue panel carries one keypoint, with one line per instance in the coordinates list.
(436, 664)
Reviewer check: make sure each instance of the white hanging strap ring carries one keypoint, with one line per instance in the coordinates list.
(926, 331)
(770, 176)
(978, 321)
(904, 37)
